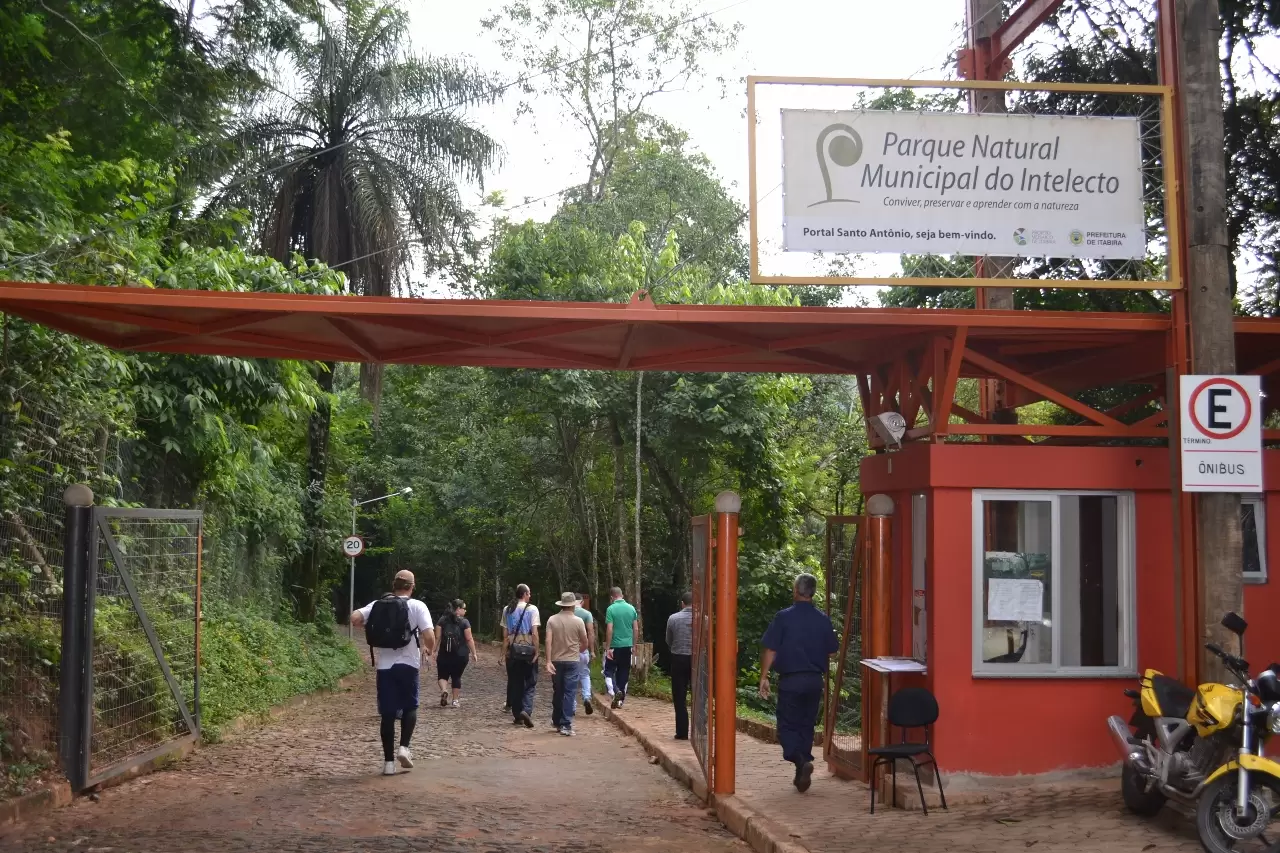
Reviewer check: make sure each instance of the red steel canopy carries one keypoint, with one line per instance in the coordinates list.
(1071, 348)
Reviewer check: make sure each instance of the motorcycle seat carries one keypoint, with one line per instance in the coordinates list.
(1175, 698)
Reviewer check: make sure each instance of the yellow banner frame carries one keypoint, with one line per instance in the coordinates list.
(1172, 184)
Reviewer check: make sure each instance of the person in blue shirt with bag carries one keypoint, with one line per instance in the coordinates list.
(798, 644)
(520, 641)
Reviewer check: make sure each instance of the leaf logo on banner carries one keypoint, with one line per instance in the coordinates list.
(844, 150)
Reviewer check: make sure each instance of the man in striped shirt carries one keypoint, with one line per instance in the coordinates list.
(680, 644)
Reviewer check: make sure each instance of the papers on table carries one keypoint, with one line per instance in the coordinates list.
(893, 664)
(1015, 600)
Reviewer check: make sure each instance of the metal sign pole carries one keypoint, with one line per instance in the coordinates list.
(351, 583)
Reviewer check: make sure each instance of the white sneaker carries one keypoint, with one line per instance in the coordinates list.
(404, 757)
(389, 768)
(455, 704)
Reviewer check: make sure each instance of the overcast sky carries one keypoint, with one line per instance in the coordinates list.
(850, 38)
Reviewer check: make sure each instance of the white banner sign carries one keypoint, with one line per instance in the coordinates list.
(954, 183)
(1221, 433)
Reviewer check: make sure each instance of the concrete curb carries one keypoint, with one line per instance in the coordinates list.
(59, 794)
(767, 733)
(763, 834)
(36, 803)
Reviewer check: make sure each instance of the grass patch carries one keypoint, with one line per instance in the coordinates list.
(657, 686)
(252, 662)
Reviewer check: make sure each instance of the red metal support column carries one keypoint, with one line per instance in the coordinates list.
(1185, 523)
(725, 666)
(878, 626)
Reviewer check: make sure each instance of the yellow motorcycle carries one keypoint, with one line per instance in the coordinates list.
(1203, 747)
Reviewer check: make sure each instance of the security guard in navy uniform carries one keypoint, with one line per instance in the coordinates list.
(797, 644)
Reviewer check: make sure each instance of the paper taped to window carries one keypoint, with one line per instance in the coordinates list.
(1015, 600)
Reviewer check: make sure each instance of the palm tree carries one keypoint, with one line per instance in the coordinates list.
(358, 166)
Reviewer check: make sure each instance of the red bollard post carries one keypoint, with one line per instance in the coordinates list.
(725, 666)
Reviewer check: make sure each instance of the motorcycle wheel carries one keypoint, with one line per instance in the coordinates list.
(1222, 792)
(1136, 798)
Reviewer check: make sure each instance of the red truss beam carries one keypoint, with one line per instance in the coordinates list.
(1023, 20)
(989, 58)
(905, 360)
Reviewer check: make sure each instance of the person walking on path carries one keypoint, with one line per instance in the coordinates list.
(680, 643)
(621, 624)
(566, 638)
(798, 643)
(396, 626)
(584, 658)
(520, 643)
(455, 648)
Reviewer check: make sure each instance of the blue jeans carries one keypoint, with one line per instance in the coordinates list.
(584, 675)
(564, 690)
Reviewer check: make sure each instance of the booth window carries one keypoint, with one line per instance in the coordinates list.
(1053, 584)
(1253, 529)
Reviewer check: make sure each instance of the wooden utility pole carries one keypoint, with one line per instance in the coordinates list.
(1192, 31)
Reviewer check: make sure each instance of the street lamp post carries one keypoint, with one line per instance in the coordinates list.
(351, 583)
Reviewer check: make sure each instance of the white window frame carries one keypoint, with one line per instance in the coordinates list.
(1127, 593)
(1259, 504)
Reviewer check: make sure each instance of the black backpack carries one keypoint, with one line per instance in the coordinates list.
(388, 624)
(451, 636)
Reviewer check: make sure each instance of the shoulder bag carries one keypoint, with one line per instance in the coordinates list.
(517, 651)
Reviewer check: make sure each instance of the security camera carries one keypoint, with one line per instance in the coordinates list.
(891, 427)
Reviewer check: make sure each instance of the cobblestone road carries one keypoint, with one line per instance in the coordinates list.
(833, 817)
(308, 782)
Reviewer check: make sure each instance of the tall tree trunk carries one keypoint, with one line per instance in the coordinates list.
(636, 591)
(620, 503)
(371, 389)
(313, 498)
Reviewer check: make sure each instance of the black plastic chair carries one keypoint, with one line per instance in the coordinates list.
(909, 708)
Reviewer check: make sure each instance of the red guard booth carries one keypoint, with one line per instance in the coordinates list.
(1037, 569)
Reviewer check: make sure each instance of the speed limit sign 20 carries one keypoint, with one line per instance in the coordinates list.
(353, 546)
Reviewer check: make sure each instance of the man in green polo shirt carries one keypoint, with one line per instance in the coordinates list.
(622, 623)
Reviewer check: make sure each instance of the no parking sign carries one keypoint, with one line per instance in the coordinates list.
(1221, 433)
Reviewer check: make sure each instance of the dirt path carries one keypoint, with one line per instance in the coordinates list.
(309, 782)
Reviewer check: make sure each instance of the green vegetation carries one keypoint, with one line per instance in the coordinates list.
(253, 662)
(306, 146)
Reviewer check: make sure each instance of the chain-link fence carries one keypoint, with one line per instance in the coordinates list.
(41, 452)
(145, 688)
(701, 573)
(47, 444)
(843, 742)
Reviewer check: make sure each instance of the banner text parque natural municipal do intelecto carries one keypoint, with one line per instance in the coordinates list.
(954, 183)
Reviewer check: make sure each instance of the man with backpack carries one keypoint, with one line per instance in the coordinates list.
(396, 626)
(520, 642)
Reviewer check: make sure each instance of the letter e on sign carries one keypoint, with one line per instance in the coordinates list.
(353, 546)
(1221, 437)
